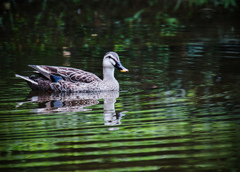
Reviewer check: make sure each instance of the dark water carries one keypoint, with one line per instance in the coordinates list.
(178, 108)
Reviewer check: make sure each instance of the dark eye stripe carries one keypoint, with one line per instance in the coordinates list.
(114, 58)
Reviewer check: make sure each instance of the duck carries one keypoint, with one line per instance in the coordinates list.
(68, 79)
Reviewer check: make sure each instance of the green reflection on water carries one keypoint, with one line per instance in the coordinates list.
(180, 98)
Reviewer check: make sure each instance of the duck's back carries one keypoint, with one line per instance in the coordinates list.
(69, 74)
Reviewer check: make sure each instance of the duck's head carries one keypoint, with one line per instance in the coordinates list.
(112, 60)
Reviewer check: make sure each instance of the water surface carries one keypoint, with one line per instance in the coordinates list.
(177, 110)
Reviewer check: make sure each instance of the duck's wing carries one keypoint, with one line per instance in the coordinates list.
(67, 73)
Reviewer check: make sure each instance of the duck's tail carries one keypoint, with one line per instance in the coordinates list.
(27, 79)
(40, 69)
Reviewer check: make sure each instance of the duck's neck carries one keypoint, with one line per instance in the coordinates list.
(108, 74)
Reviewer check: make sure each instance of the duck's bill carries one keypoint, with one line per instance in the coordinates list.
(119, 66)
(124, 70)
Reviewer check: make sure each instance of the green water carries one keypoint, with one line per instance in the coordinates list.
(178, 108)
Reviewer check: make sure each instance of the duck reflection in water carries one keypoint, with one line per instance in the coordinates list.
(75, 102)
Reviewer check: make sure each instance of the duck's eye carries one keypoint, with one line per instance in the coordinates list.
(110, 57)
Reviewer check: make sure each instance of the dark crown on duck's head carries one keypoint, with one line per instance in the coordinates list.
(112, 55)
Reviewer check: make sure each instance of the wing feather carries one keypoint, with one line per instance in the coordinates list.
(68, 73)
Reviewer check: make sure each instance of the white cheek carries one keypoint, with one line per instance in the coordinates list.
(112, 62)
(109, 63)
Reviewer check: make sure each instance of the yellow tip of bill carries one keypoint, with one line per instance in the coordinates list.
(124, 70)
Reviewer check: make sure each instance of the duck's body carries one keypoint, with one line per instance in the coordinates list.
(59, 79)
